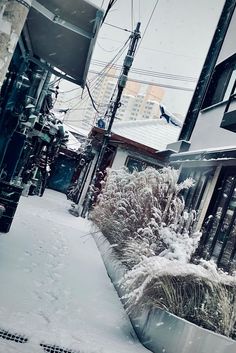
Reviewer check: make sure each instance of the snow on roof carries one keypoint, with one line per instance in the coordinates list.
(209, 149)
(73, 143)
(76, 130)
(154, 133)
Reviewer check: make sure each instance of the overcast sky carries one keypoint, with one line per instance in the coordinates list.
(176, 40)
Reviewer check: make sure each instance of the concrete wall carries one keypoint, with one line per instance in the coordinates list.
(122, 154)
(229, 45)
(208, 133)
(120, 158)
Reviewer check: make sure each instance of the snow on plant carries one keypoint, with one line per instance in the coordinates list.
(199, 293)
(143, 214)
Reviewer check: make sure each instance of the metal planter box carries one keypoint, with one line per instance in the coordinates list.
(160, 331)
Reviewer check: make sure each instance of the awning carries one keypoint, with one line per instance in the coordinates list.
(224, 153)
(62, 34)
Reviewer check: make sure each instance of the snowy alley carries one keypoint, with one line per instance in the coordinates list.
(54, 287)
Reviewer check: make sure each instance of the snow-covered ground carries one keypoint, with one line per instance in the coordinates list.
(54, 286)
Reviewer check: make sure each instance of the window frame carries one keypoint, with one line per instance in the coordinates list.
(145, 164)
(219, 82)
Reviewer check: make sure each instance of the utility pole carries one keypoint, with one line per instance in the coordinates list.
(13, 14)
(134, 38)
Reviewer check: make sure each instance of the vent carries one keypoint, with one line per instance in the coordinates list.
(6, 335)
(55, 349)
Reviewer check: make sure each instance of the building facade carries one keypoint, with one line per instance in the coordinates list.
(211, 159)
(30, 134)
(133, 144)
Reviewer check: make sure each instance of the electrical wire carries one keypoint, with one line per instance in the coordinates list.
(98, 79)
(52, 83)
(85, 97)
(152, 49)
(132, 14)
(68, 100)
(106, 50)
(110, 5)
(139, 11)
(92, 100)
(102, 74)
(123, 29)
(153, 83)
(147, 25)
(71, 90)
(151, 73)
(107, 111)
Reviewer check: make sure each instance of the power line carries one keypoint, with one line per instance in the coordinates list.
(151, 73)
(106, 50)
(106, 137)
(151, 83)
(132, 14)
(100, 75)
(147, 25)
(123, 29)
(92, 100)
(110, 5)
(139, 12)
(152, 49)
(71, 90)
(85, 99)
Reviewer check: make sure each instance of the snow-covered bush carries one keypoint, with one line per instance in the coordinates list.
(143, 214)
(198, 293)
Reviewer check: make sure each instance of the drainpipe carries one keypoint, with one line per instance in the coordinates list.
(12, 19)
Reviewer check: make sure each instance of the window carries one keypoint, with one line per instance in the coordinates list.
(221, 83)
(137, 164)
(230, 84)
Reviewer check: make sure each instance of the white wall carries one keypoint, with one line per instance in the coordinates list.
(229, 45)
(120, 158)
(208, 133)
(122, 154)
